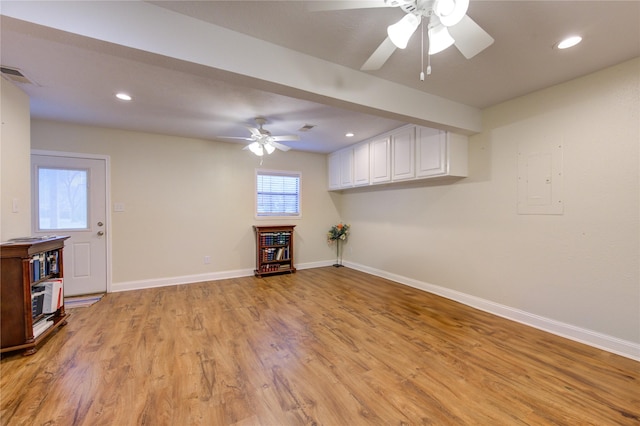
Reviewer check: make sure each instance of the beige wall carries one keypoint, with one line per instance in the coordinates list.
(580, 268)
(188, 198)
(15, 166)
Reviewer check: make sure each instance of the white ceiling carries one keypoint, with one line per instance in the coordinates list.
(75, 76)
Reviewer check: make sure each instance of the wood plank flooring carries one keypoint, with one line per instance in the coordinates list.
(323, 346)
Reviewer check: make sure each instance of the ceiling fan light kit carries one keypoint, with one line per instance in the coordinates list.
(262, 140)
(439, 39)
(400, 32)
(259, 148)
(450, 12)
(269, 148)
(256, 148)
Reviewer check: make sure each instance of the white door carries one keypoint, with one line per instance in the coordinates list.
(69, 197)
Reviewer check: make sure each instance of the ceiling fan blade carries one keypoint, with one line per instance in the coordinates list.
(380, 56)
(254, 131)
(470, 38)
(319, 6)
(234, 137)
(280, 146)
(285, 138)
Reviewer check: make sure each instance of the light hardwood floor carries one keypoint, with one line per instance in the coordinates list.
(323, 346)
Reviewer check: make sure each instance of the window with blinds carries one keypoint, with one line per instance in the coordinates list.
(277, 193)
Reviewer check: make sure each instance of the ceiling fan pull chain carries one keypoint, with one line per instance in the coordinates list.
(428, 56)
(421, 49)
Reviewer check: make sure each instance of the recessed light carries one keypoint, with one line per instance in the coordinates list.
(350, 134)
(569, 42)
(123, 96)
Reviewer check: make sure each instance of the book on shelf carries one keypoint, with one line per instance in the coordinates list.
(275, 238)
(31, 239)
(35, 268)
(53, 295)
(52, 261)
(272, 267)
(37, 303)
(43, 265)
(268, 254)
(41, 326)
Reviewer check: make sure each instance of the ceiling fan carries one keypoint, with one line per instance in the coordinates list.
(262, 140)
(446, 20)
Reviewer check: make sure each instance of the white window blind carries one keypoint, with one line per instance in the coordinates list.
(278, 193)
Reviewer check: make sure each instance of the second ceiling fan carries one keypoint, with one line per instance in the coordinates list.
(262, 140)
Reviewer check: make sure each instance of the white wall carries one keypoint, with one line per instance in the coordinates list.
(15, 169)
(580, 268)
(188, 198)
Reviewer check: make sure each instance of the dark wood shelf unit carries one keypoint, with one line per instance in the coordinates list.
(274, 250)
(18, 280)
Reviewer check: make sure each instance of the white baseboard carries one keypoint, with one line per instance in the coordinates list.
(588, 337)
(197, 278)
(599, 340)
(185, 279)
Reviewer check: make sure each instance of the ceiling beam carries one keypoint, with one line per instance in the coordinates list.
(241, 58)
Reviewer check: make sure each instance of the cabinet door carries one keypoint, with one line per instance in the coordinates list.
(333, 163)
(403, 155)
(380, 160)
(431, 151)
(346, 168)
(361, 164)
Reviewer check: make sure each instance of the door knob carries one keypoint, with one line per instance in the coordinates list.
(100, 223)
(100, 233)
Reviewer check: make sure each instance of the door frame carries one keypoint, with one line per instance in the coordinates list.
(107, 192)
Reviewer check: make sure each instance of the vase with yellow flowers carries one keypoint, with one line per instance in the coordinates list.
(337, 234)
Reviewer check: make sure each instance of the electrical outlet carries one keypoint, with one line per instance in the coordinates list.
(207, 260)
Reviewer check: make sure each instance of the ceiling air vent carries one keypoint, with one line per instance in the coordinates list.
(306, 127)
(14, 74)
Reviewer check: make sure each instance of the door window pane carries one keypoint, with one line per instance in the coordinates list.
(62, 199)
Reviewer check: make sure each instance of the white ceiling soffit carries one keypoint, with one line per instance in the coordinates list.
(144, 26)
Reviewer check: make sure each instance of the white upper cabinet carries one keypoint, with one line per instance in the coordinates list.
(440, 153)
(380, 160)
(431, 152)
(333, 163)
(403, 154)
(407, 153)
(346, 167)
(340, 169)
(361, 164)
(457, 155)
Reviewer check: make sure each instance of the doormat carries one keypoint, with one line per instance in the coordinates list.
(82, 301)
